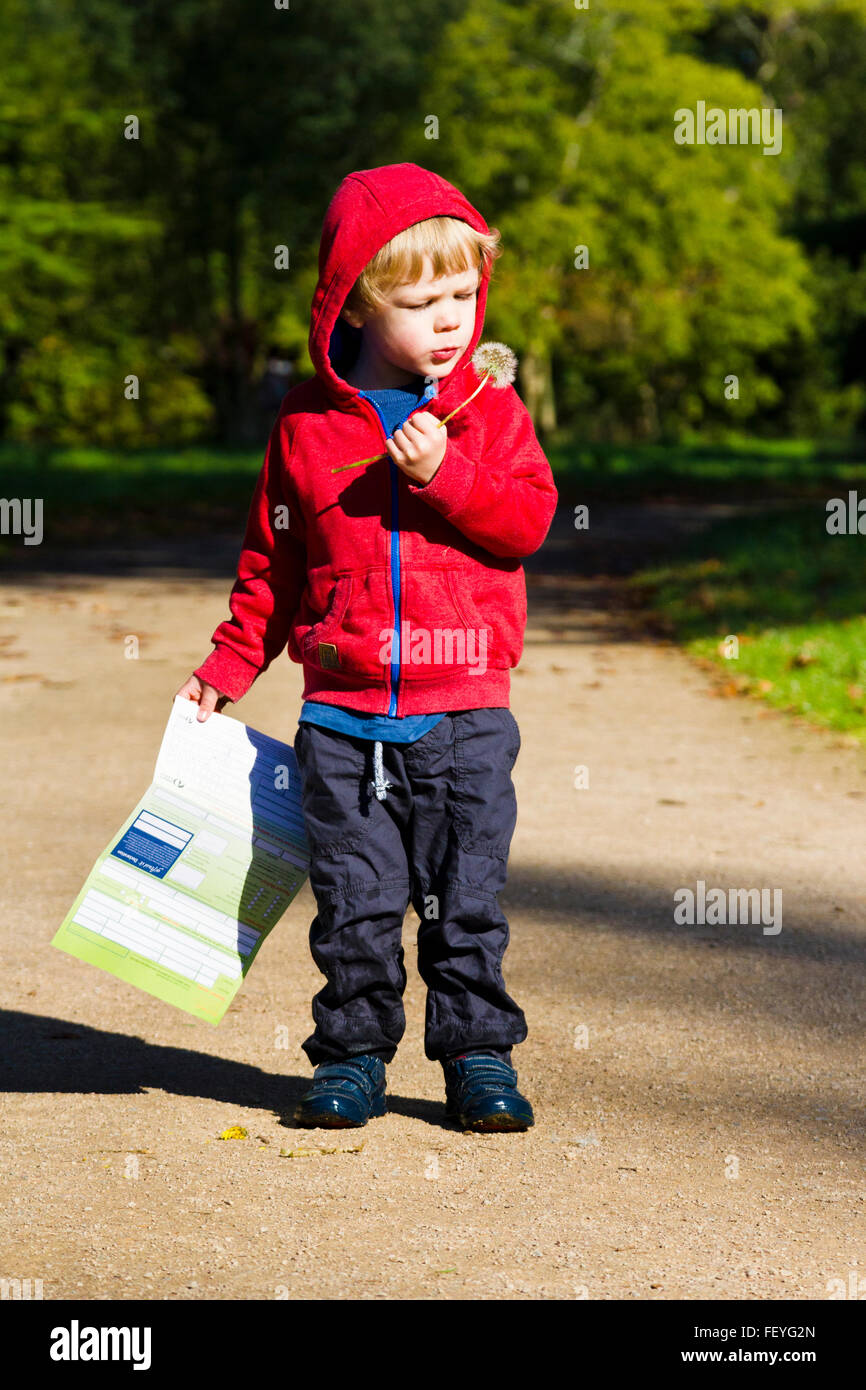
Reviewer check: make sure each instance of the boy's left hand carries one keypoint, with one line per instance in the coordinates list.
(418, 447)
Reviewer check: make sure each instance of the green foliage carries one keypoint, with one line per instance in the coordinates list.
(67, 396)
(155, 255)
(690, 278)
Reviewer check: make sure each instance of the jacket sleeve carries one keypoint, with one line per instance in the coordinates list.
(271, 577)
(505, 501)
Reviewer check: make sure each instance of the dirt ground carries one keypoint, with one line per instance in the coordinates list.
(698, 1091)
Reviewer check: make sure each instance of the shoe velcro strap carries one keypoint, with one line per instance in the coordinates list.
(482, 1061)
(340, 1072)
(487, 1069)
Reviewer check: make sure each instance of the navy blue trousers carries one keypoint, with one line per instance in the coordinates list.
(440, 839)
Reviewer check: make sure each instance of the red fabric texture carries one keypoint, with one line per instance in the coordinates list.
(316, 573)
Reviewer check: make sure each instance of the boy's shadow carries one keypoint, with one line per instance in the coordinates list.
(53, 1055)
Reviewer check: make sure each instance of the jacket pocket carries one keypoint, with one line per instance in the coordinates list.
(492, 603)
(350, 637)
(317, 614)
(453, 619)
(439, 631)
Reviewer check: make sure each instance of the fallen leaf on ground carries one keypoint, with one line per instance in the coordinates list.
(320, 1149)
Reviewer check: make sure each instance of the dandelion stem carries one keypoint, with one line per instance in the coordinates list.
(439, 423)
(466, 402)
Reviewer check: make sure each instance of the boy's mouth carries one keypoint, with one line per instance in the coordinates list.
(444, 354)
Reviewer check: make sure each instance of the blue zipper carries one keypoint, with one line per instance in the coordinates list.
(395, 542)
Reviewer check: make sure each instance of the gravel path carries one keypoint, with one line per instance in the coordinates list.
(698, 1090)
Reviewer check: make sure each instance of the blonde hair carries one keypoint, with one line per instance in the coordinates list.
(451, 244)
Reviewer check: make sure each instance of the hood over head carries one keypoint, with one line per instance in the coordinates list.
(369, 208)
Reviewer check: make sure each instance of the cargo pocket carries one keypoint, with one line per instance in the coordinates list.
(334, 772)
(486, 744)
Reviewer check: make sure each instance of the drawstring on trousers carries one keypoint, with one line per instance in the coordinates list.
(379, 783)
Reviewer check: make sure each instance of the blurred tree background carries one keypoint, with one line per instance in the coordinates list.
(155, 256)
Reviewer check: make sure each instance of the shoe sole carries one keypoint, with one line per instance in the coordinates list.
(331, 1120)
(328, 1122)
(495, 1122)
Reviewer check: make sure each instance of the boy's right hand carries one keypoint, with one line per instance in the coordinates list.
(207, 697)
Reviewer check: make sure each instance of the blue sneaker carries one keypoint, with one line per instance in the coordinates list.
(481, 1093)
(344, 1094)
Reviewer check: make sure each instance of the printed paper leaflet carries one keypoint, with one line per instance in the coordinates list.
(207, 863)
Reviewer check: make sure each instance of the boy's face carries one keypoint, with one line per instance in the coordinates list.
(417, 322)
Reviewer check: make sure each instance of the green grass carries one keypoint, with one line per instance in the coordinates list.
(751, 467)
(793, 596)
(91, 494)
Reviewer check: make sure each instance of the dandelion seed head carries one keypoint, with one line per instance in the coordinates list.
(496, 360)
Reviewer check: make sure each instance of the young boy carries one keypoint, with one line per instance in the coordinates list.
(398, 586)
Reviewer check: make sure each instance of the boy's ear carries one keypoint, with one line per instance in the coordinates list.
(351, 318)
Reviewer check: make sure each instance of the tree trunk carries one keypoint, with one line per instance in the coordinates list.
(536, 384)
(237, 340)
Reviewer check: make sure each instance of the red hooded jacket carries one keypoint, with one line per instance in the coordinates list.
(333, 562)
